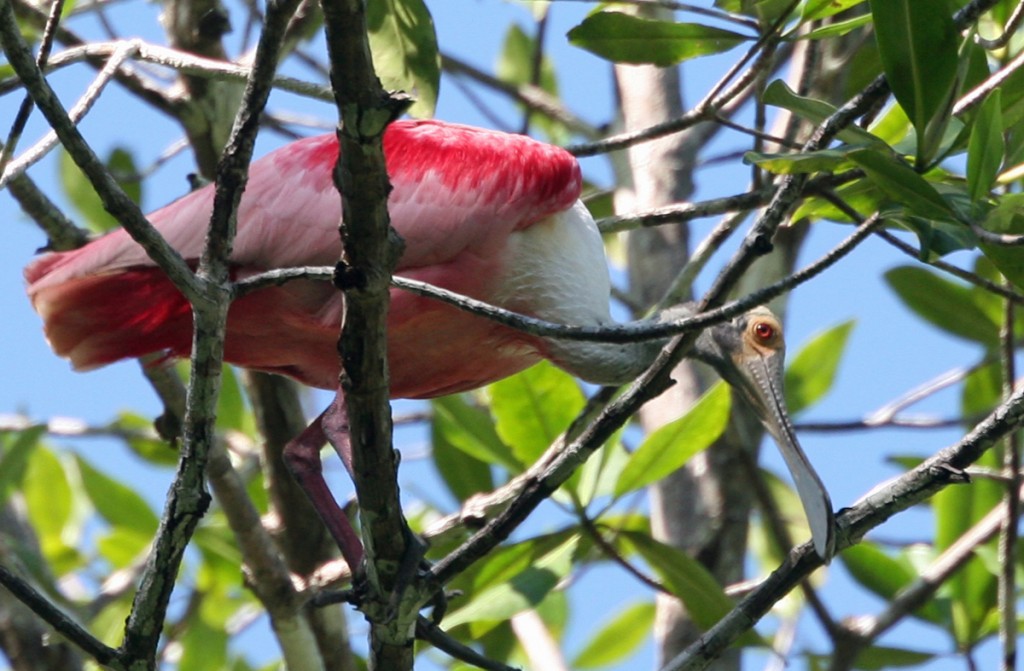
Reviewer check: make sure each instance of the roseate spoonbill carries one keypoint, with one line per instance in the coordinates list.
(486, 214)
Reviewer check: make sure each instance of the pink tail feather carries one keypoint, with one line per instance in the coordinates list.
(97, 319)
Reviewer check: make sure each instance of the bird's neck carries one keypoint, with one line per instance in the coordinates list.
(603, 362)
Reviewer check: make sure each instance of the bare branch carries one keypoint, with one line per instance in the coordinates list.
(188, 499)
(180, 61)
(370, 252)
(114, 199)
(939, 471)
(534, 98)
(59, 621)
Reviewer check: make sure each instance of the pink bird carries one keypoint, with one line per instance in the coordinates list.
(489, 215)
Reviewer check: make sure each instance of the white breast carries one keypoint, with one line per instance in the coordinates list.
(557, 271)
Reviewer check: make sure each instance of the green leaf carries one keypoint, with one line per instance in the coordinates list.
(825, 160)
(667, 449)
(121, 164)
(17, 447)
(685, 577)
(780, 95)
(516, 66)
(623, 38)
(936, 237)
(880, 658)
(507, 561)
(204, 646)
(152, 449)
(861, 195)
(533, 408)
(985, 148)
(956, 509)
(108, 624)
(471, 429)
(1006, 217)
(464, 474)
(821, 9)
(769, 11)
(791, 511)
(1012, 94)
(618, 639)
(972, 589)
(837, 28)
(918, 42)
(812, 371)
(82, 196)
(221, 556)
(597, 477)
(943, 303)
(404, 46)
(123, 547)
(49, 500)
(893, 126)
(232, 412)
(523, 591)
(900, 183)
(118, 504)
(884, 575)
(982, 390)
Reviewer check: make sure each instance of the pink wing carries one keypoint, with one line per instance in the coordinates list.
(459, 192)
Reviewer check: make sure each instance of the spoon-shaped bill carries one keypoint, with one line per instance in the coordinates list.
(766, 374)
(749, 353)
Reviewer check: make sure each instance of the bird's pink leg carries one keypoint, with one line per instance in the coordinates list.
(302, 455)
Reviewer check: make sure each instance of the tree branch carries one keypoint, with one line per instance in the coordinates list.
(370, 251)
(187, 500)
(939, 471)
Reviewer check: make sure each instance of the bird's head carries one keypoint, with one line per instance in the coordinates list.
(749, 353)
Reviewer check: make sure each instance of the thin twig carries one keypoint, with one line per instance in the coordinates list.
(532, 97)
(613, 554)
(180, 61)
(932, 578)
(975, 96)
(914, 422)
(1011, 504)
(680, 322)
(146, 89)
(63, 624)
(738, 19)
(740, 202)
(435, 636)
(111, 194)
(1000, 239)
(187, 501)
(21, 118)
(34, 154)
(1009, 30)
(61, 231)
(536, 65)
(905, 491)
(965, 275)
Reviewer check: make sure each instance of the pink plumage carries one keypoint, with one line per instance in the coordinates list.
(461, 197)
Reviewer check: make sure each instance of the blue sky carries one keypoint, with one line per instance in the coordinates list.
(890, 350)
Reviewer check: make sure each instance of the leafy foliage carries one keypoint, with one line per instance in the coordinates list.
(624, 38)
(938, 163)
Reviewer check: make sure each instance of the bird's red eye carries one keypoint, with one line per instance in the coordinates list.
(764, 330)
